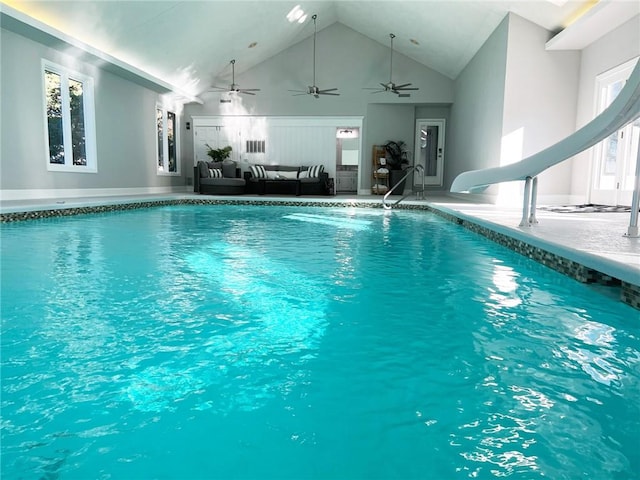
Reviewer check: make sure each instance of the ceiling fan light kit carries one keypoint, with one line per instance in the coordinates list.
(314, 90)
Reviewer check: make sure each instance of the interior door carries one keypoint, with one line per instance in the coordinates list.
(429, 151)
(614, 159)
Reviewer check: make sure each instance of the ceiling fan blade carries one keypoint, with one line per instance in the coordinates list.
(404, 95)
(326, 93)
(405, 88)
(398, 87)
(246, 92)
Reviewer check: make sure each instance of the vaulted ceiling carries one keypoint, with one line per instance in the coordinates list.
(190, 43)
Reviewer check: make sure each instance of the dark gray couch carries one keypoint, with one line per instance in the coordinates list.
(231, 182)
(288, 180)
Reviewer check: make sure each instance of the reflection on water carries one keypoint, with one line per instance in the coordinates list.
(317, 343)
(265, 325)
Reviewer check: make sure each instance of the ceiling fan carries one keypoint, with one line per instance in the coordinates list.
(390, 86)
(234, 88)
(313, 89)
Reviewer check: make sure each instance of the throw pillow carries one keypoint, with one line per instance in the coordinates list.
(203, 169)
(229, 169)
(303, 174)
(215, 173)
(288, 175)
(315, 171)
(258, 171)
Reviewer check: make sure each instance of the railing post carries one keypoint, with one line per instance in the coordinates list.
(525, 203)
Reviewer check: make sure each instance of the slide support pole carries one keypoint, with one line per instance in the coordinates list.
(632, 231)
(534, 200)
(525, 203)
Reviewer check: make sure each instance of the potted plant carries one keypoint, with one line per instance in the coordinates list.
(219, 154)
(396, 155)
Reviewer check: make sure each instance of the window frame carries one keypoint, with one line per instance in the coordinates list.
(165, 140)
(88, 111)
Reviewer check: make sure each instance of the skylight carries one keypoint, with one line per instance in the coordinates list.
(296, 15)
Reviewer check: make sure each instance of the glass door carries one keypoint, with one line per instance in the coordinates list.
(615, 157)
(429, 148)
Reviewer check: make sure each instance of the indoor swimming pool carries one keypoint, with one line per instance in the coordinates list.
(279, 342)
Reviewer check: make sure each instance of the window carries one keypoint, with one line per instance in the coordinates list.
(69, 113)
(167, 143)
(614, 158)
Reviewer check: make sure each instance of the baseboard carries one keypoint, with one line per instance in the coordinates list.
(37, 194)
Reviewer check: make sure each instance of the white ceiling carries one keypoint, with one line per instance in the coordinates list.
(190, 43)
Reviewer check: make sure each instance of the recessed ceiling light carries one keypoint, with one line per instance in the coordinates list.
(414, 41)
(253, 44)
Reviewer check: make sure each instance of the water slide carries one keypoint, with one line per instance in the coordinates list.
(623, 110)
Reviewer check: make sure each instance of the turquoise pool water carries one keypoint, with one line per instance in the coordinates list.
(274, 342)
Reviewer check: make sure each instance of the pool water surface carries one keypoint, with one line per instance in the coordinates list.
(280, 342)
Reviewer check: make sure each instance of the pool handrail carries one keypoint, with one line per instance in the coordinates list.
(418, 168)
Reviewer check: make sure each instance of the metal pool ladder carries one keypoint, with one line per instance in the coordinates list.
(419, 194)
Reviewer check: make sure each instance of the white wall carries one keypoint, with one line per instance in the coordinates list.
(540, 99)
(125, 124)
(475, 130)
(513, 100)
(384, 122)
(611, 50)
(355, 62)
(345, 60)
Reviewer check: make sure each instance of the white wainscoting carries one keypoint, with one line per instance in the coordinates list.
(291, 141)
(306, 146)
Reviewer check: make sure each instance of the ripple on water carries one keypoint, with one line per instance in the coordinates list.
(334, 344)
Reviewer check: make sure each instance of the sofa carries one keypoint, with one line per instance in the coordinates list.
(282, 179)
(218, 178)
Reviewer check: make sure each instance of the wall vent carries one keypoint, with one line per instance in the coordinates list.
(255, 146)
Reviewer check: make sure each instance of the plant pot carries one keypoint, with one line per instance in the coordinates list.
(394, 176)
